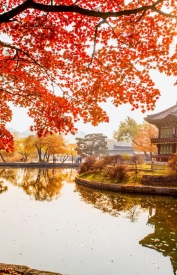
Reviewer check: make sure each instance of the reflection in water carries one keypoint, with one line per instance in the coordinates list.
(73, 234)
(162, 216)
(42, 184)
(2, 187)
(164, 238)
(110, 202)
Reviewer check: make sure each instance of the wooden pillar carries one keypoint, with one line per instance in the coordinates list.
(158, 148)
(173, 148)
(159, 130)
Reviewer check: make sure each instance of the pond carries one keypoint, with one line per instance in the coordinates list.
(50, 223)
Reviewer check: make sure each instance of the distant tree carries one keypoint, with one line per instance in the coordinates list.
(54, 144)
(138, 134)
(25, 147)
(142, 141)
(64, 155)
(49, 145)
(127, 130)
(72, 151)
(40, 143)
(92, 145)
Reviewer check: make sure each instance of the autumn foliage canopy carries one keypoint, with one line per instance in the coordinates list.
(61, 58)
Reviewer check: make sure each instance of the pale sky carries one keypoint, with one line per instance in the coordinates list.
(21, 121)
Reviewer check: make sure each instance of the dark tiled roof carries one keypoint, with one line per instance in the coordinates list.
(119, 147)
(119, 150)
(169, 114)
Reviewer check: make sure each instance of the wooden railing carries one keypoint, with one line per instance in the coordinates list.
(164, 140)
(164, 156)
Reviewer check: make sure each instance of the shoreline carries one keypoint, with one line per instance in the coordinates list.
(127, 188)
(22, 269)
(38, 165)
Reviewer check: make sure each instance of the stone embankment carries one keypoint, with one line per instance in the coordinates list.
(38, 165)
(127, 188)
(159, 180)
(10, 269)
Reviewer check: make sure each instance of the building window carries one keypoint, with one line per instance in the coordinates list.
(166, 132)
(165, 149)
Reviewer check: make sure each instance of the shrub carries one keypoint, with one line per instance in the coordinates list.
(87, 165)
(172, 163)
(119, 173)
(110, 160)
(126, 158)
(107, 167)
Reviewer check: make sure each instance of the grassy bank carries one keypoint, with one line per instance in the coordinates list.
(134, 176)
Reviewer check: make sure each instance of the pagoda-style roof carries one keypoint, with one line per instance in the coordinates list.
(164, 117)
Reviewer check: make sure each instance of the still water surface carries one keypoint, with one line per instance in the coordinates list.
(48, 222)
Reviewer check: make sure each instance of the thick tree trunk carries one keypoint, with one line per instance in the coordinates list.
(47, 158)
(25, 158)
(39, 154)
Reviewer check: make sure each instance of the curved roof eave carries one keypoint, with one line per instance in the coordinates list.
(169, 114)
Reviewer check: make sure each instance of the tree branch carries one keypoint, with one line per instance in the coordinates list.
(17, 50)
(30, 4)
(94, 43)
(164, 13)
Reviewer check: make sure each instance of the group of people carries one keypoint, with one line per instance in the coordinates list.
(79, 160)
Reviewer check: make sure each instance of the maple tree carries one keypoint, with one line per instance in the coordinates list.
(61, 58)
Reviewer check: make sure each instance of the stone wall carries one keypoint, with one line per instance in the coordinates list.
(156, 190)
(159, 180)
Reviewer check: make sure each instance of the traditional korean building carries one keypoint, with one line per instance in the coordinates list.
(166, 141)
(121, 150)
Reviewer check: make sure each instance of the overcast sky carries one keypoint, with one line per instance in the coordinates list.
(21, 121)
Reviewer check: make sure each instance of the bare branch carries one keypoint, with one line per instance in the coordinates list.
(94, 43)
